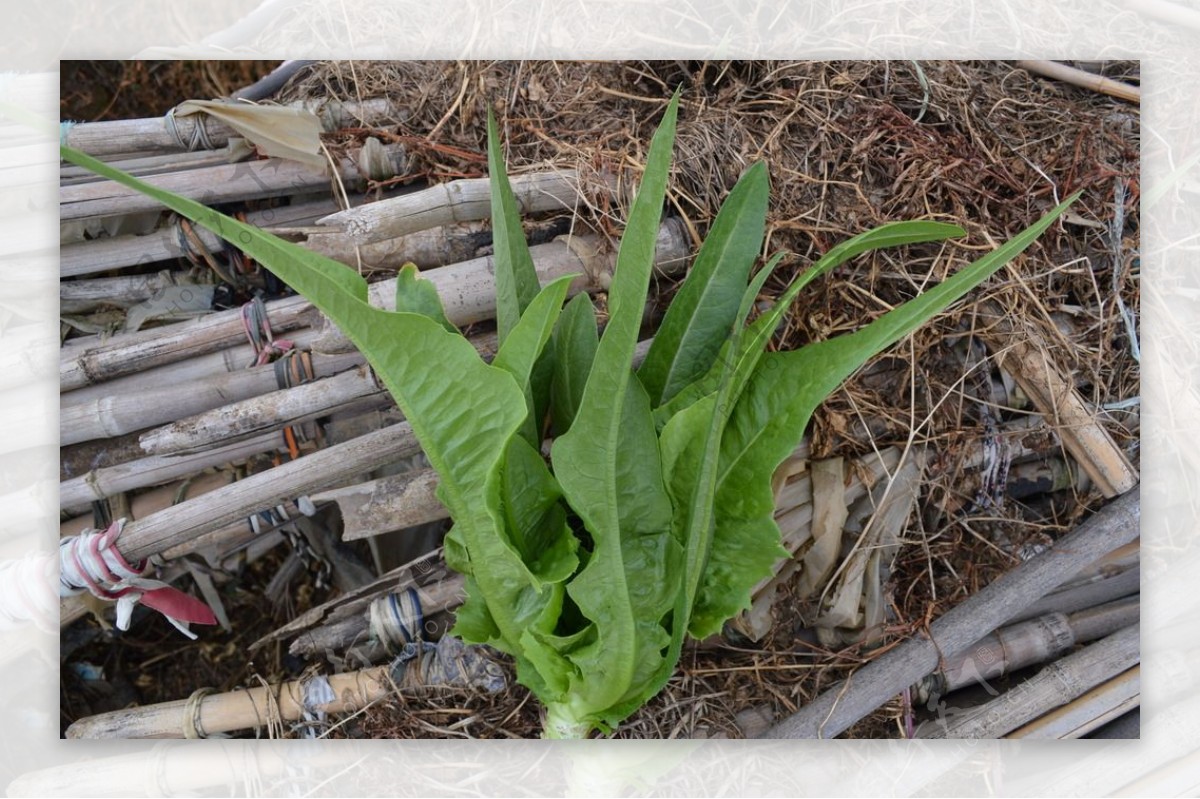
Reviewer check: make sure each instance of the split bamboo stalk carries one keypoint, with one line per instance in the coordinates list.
(1086, 80)
(246, 180)
(153, 134)
(424, 570)
(77, 494)
(1057, 684)
(136, 408)
(435, 597)
(102, 255)
(464, 200)
(246, 708)
(1089, 712)
(1024, 356)
(875, 683)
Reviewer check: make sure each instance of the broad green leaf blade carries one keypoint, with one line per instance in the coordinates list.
(726, 358)
(574, 341)
(534, 518)
(520, 353)
(769, 420)
(704, 308)
(416, 295)
(516, 279)
(752, 345)
(613, 432)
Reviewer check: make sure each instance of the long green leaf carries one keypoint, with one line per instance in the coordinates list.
(769, 420)
(700, 315)
(752, 345)
(608, 470)
(574, 341)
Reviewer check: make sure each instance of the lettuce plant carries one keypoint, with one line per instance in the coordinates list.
(652, 519)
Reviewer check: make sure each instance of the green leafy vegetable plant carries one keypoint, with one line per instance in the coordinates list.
(652, 518)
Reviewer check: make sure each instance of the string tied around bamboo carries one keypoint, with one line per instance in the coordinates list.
(197, 137)
(397, 619)
(258, 331)
(91, 562)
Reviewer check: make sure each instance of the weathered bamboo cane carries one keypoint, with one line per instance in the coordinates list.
(246, 708)
(875, 683)
(124, 291)
(154, 500)
(1069, 600)
(154, 133)
(133, 408)
(246, 180)
(141, 165)
(462, 200)
(325, 467)
(77, 494)
(102, 255)
(134, 352)
(1057, 684)
(1027, 643)
(1097, 707)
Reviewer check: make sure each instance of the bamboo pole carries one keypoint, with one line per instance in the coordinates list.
(273, 410)
(247, 708)
(1086, 80)
(325, 467)
(469, 288)
(464, 200)
(77, 494)
(886, 676)
(1078, 597)
(268, 412)
(153, 134)
(1055, 685)
(246, 180)
(141, 165)
(428, 249)
(1027, 643)
(134, 408)
(101, 255)
(124, 291)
